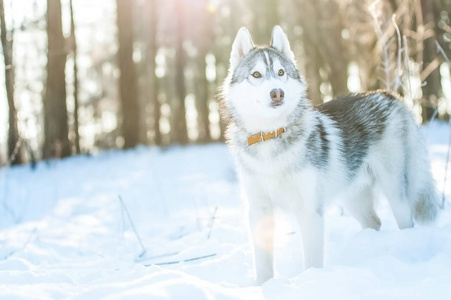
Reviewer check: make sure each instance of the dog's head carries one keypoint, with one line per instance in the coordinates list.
(263, 88)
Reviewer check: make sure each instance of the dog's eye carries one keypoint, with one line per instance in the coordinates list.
(257, 74)
(281, 72)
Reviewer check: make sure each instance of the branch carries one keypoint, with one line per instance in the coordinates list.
(141, 259)
(180, 261)
(14, 154)
(397, 82)
(431, 67)
(124, 208)
(442, 52)
(407, 63)
(211, 222)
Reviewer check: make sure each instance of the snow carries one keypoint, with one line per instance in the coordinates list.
(65, 234)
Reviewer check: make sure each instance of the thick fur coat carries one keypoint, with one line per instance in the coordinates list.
(347, 147)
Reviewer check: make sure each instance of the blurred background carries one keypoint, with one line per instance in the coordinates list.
(82, 76)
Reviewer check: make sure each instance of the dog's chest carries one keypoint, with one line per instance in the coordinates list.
(280, 175)
(288, 191)
(270, 158)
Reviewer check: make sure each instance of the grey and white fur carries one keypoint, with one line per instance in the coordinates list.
(345, 148)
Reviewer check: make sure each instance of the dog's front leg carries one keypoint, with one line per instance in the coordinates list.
(312, 230)
(261, 225)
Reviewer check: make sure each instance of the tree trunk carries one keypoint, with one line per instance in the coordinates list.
(322, 33)
(56, 129)
(153, 83)
(313, 77)
(205, 42)
(432, 87)
(13, 132)
(128, 88)
(179, 128)
(332, 48)
(154, 79)
(266, 16)
(74, 52)
(202, 87)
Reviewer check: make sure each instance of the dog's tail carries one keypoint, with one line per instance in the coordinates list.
(427, 205)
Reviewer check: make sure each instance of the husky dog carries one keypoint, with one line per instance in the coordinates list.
(294, 157)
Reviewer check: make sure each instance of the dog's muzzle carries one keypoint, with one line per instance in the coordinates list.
(276, 97)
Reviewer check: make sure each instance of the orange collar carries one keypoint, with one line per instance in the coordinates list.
(263, 136)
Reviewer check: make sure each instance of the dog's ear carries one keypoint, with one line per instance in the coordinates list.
(280, 42)
(241, 47)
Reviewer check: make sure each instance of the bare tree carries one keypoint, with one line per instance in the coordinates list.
(204, 42)
(323, 45)
(179, 128)
(56, 129)
(150, 84)
(334, 50)
(154, 83)
(128, 87)
(73, 42)
(443, 30)
(431, 73)
(13, 131)
(266, 16)
(173, 39)
(312, 71)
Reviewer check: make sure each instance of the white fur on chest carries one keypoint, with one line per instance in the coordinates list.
(270, 159)
(279, 183)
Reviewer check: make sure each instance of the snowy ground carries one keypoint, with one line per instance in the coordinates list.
(65, 234)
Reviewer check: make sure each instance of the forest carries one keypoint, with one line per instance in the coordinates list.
(78, 77)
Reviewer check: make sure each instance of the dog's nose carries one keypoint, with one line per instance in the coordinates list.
(277, 95)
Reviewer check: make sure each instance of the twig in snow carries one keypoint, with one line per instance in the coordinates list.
(124, 208)
(180, 261)
(156, 256)
(434, 114)
(211, 222)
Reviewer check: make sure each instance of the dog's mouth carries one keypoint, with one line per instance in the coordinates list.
(276, 104)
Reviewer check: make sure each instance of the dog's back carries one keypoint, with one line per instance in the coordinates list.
(381, 139)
